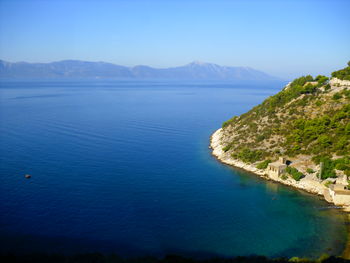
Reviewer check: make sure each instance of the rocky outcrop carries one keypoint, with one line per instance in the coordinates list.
(339, 82)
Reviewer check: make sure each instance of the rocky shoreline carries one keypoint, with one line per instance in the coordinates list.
(306, 184)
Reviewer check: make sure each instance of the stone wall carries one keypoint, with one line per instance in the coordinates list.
(338, 198)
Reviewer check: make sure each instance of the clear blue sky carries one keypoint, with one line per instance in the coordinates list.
(283, 38)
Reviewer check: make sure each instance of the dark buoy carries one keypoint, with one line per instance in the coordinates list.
(27, 176)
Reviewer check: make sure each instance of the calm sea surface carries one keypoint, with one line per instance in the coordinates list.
(125, 167)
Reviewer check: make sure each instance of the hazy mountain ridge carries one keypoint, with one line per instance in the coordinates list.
(103, 70)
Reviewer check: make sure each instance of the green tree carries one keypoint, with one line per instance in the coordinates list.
(337, 96)
(263, 164)
(324, 141)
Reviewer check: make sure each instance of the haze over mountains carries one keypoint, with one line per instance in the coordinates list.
(75, 69)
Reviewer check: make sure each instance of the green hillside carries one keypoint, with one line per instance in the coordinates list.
(310, 117)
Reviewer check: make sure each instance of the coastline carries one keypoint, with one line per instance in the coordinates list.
(308, 185)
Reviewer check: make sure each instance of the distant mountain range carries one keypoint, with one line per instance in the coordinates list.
(75, 69)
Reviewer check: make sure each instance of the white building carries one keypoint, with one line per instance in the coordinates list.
(275, 169)
(338, 193)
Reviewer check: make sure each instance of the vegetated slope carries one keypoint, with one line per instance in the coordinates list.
(309, 120)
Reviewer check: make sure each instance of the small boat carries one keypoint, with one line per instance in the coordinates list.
(27, 176)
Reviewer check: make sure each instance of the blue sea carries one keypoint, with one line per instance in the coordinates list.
(124, 167)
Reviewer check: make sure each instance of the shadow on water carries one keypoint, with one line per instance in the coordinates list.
(30, 244)
(64, 245)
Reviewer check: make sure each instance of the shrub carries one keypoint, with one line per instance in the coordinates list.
(321, 79)
(343, 74)
(347, 129)
(309, 88)
(319, 103)
(284, 177)
(229, 122)
(318, 158)
(341, 143)
(346, 93)
(337, 96)
(263, 165)
(260, 137)
(341, 166)
(227, 147)
(324, 141)
(310, 171)
(327, 170)
(250, 156)
(295, 173)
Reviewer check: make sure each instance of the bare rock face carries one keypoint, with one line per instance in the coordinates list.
(339, 82)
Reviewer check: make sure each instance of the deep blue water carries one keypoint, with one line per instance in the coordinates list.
(125, 167)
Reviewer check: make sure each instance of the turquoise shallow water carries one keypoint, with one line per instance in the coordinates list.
(125, 167)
